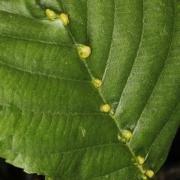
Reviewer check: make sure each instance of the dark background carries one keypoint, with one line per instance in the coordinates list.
(170, 170)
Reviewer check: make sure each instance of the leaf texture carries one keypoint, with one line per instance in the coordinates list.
(50, 118)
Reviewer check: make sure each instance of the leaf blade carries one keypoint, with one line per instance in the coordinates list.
(71, 115)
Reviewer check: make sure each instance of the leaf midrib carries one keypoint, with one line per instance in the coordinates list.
(103, 99)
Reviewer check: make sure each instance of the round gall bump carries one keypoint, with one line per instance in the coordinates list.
(144, 177)
(51, 14)
(149, 173)
(97, 83)
(127, 135)
(64, 18)
(105, 108)
(83, 51)
(119, 137)
(140, 160)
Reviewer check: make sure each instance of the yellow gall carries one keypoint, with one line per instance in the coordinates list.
(83, 51)
(64, 18)
(140, 160)
(149, 173)
(51, 14)
(97, 83)
(127, 135)
(105, 108)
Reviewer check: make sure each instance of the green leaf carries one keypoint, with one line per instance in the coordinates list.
(50, 118)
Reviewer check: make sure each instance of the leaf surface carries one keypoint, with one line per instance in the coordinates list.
(50, 118)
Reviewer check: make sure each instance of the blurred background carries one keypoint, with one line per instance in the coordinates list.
(170, 170)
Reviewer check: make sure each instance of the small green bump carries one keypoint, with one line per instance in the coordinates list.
(83, 51)
(140, 160)
(64, 18)
(105, 108)
(149, 173)
(144, 177)
(112, 113)
(119, 137)
(126, 135)
(51, 14)
(96, 83)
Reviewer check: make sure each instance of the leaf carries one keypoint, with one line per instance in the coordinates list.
(50, 118)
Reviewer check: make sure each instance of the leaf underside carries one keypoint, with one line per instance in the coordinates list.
(50, 122)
